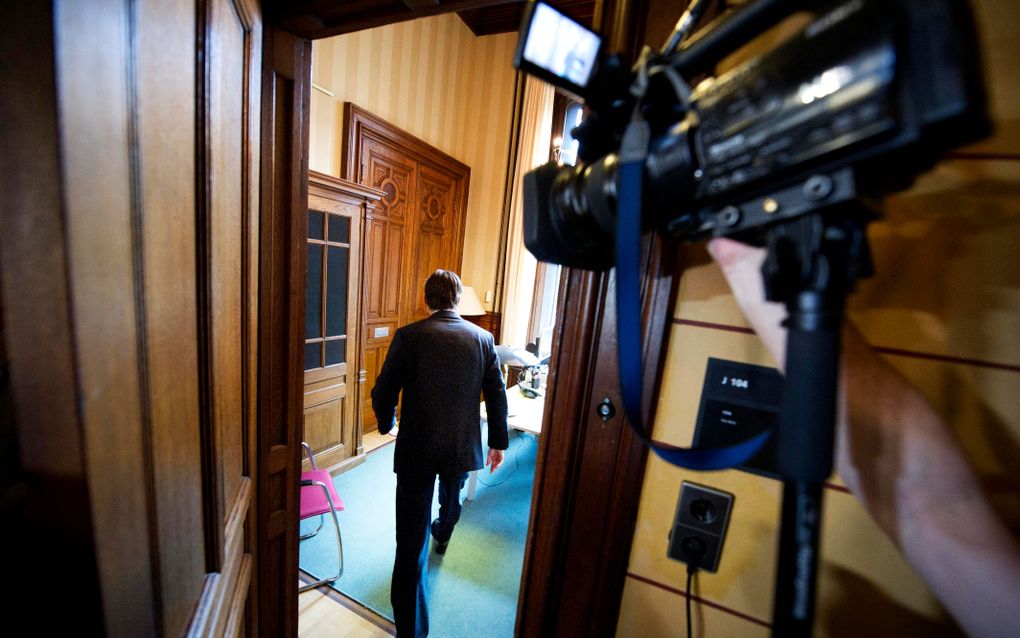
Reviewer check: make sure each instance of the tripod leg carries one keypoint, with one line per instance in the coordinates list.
(806, 436)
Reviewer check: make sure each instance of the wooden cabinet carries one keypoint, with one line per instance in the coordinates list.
(334, 314)
(417, 227)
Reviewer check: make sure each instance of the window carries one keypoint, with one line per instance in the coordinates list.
(567, 115)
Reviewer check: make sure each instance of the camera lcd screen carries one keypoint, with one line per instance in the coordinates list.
(561, 47)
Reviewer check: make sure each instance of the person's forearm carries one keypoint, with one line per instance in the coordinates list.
(899, 458)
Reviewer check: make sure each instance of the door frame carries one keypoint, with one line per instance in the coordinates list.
(572, 580)
(286, 91)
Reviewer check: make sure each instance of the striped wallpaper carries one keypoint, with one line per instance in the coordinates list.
(433, 78)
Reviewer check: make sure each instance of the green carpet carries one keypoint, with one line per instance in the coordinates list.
(472, 588)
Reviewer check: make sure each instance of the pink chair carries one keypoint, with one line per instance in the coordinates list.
(319, 496)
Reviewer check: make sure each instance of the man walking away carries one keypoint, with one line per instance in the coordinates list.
(442, 364)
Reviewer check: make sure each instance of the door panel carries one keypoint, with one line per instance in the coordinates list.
(282, 245)
(228, 130)
(393, 174)
(375, 354)
(167, 90)
(228, 208)
(374, 247)
(390, 276)
(155, 113)
(437, 230)
(320, 427)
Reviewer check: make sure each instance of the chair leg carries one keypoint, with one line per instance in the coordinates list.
(339, 545)
(310, 534)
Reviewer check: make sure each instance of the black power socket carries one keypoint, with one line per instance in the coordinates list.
(699, 527)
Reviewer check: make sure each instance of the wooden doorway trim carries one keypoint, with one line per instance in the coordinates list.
(286, 86)
(578, 551)
(589, 473)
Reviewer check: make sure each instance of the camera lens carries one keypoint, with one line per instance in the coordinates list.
(703, 511)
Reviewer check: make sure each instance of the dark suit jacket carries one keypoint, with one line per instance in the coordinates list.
(442, 364)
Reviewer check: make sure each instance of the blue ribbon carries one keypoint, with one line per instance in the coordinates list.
(628, 335)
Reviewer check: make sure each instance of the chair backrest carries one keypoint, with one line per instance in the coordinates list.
(311, 457)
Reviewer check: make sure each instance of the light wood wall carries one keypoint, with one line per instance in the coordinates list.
(944, 308)
(434, 79)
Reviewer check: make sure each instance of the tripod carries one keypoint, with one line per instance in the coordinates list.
(813, 263)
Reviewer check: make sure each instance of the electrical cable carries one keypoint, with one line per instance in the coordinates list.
(694, 550)
(690, 578)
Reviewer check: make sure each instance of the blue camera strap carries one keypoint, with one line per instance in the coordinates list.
(628, 316)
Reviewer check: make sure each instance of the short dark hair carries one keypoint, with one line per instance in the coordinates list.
(442, 290)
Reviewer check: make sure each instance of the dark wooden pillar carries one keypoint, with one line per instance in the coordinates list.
(589, 471)
(286, 85)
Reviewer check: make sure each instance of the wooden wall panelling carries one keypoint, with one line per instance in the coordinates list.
(228, 140)
(100, 169)
(46, 428)
(283, 226)
(130, 218)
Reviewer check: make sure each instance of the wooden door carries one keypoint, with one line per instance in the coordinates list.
(418, 227)
(440, 225)
(393, 174)
(129, 279)
(336, 212)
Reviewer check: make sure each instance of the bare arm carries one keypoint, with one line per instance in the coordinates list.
(903, 463)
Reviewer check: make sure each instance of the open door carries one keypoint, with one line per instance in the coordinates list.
(130, 251)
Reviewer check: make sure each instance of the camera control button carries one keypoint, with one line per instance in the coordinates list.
(817, 187)
(729, 217)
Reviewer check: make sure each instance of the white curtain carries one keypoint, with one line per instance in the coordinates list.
(533, 137)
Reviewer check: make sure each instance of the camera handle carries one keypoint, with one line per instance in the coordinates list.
(812, 265)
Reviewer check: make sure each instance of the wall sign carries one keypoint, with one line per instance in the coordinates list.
(739, 400)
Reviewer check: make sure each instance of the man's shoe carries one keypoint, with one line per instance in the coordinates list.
(437, 545)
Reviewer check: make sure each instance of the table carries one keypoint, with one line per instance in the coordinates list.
(523, 414)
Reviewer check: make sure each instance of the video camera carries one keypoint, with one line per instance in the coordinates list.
(792, 150)
(880, 87)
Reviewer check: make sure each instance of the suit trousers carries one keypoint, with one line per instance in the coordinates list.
(409, 587)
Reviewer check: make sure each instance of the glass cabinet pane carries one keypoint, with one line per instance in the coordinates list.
(313, 293)
(336, 351)
(336, 291)
(313, 355)
(315, 225)
(340, 229)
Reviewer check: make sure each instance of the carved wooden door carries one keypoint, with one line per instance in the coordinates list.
(418, 227)
(440, 222)
(393, 174)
